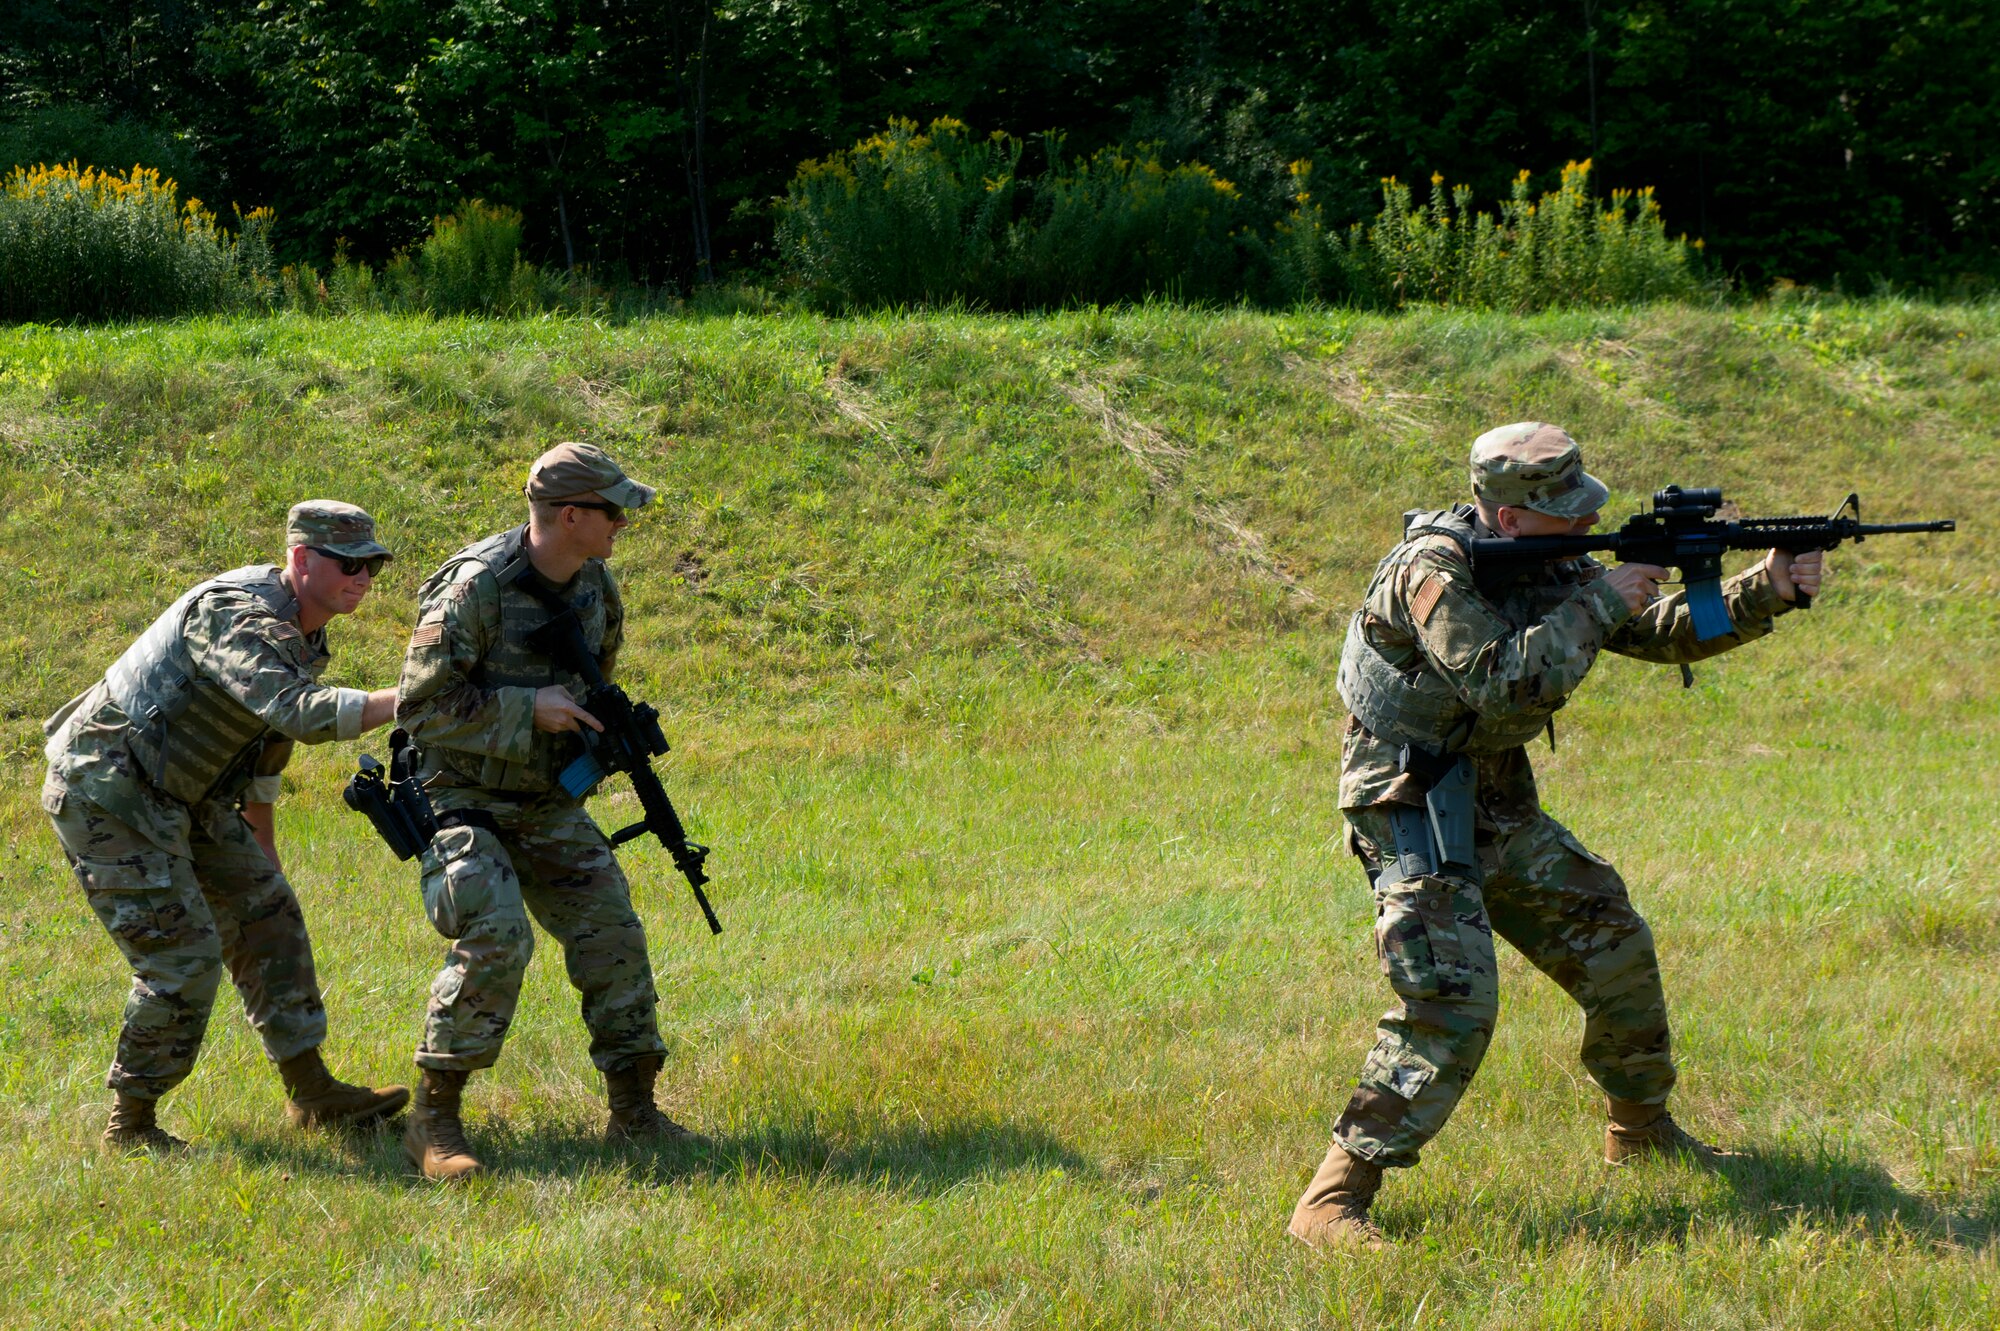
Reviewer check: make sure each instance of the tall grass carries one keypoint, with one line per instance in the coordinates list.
(81, 243)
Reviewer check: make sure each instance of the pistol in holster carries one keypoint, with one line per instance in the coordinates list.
(394, 799)
(1437, 839)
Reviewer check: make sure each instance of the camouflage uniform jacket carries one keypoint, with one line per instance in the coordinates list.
(467, 694)
(233, 637)
(1515, 653)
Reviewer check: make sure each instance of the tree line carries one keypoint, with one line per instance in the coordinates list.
(1855, 141)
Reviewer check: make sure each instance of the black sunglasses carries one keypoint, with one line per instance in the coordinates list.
(349, 565)
(612, 511)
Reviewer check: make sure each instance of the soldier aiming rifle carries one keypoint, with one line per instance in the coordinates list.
(1474, 631)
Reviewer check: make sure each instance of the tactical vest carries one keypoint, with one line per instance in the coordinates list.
(1413, 704)
(511, 663)
(190, 737)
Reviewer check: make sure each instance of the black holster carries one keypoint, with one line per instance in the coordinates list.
(1437, 839)
(394, 799)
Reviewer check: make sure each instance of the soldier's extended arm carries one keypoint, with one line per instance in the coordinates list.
(1664, 631)
(1496, 669)
(263, 663)
(438, 701)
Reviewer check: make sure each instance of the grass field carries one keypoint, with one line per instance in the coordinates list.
(998, 656)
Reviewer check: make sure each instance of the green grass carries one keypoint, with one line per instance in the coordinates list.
(998, 657)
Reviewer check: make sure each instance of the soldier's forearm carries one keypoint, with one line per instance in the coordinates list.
(1663, 632)
(379, 710)
(262, 818)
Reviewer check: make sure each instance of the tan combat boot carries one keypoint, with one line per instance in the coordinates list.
(319, 1100)
(634, 1116)
(131, 1128)
(434, 1138)
(1639, 1132)
(1332, 1216)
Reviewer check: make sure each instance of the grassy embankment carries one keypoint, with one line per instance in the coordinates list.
(998, 655)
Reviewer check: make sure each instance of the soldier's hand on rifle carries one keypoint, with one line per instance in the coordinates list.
(1792, 574)
(1638, 585)
(556, 711)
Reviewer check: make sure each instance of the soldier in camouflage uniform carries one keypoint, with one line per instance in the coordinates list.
(1452, 668)
(496, 720)
(161, 782)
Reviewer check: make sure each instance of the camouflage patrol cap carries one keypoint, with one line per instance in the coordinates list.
(1535, 465)
(328, 524)
(578, 473)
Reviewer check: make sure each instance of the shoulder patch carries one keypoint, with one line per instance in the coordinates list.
(1426, 599)
(428, 635)
(284, 631)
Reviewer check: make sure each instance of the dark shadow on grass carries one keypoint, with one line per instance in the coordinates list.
(922, 1160)
(1771, 1189)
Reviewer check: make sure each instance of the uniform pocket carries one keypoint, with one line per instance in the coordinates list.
(451, 874)
(1394, 1067)
(54, 793)
(1420, 940)
(135, 900)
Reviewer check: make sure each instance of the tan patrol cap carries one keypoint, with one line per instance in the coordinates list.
(1535, 465)
(328, 524)
(578, 473)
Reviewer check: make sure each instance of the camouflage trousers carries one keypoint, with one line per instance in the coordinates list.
(549, 860)
(179, 921)
(1562, 908)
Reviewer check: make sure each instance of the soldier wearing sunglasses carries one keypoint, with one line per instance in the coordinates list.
(497, 721)
(162, 777)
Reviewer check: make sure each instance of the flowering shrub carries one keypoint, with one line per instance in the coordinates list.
(79, 243)
(1562, 249)
(944, 215)
(904, 217)
(941, 215)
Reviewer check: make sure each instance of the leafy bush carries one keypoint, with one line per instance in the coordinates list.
(1121, 226)
(941, 215)
(469, 264)
(79, 243)
(904, 217)
(1563, 249)
(932, 217)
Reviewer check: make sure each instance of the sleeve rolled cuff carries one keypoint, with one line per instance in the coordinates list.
(347, 719)
(263, 790)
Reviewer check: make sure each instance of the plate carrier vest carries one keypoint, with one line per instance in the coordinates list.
(191, 738)
(511, 663)
(1418, 706)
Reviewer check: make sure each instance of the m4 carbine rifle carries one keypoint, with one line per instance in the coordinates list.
(629, 742)
(1684, 532)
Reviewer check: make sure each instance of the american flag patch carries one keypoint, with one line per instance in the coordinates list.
(428, 635)
(1426, 598)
